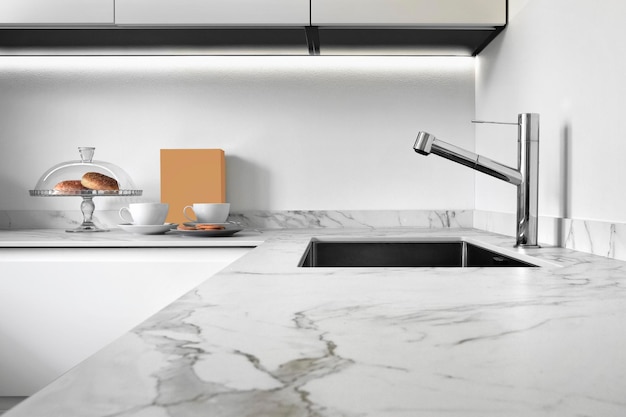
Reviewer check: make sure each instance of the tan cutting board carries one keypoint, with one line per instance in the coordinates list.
(191, 176)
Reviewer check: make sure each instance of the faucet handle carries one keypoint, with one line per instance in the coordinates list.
(495, 123)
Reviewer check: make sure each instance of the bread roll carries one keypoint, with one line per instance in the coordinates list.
(97, 181)
(69, 185)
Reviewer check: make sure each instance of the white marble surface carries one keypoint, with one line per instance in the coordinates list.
(432, 219)
(119, 238)
(593, 236)
(597, 237)
(264, 219)
(266, 338)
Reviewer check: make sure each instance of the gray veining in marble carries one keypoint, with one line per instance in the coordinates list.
(597, 237)
(260, 219)
(592, 236)
(266, 338)
(354, 219)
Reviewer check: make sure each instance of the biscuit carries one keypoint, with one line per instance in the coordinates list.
(200, 226)
(208, 226)
(185, 227)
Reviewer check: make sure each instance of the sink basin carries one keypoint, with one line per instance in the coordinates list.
(456, 253)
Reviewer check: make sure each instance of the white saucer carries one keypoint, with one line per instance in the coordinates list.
(147, 229)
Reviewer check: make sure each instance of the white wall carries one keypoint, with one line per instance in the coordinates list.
(563, 59)
(308, 133)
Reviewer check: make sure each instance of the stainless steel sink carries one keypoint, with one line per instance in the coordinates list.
(456, 253)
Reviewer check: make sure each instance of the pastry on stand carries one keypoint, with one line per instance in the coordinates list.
(86, 179)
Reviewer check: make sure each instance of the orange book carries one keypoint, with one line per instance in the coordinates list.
(191, 176)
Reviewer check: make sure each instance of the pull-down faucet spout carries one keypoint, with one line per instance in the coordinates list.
(525, 177)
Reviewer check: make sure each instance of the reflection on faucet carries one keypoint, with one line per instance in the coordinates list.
(525, 177)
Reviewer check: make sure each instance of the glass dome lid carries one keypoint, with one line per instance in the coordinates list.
(85, 177)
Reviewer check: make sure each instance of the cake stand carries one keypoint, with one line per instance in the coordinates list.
(74, 170)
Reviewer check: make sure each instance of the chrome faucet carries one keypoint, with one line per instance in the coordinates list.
(525, 177)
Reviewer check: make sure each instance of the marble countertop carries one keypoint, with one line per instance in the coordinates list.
(30, 238)
(266, 338)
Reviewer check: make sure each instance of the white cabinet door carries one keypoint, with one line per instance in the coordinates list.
(408, 12)
(59, 306)
(55, 12)
(212, 12)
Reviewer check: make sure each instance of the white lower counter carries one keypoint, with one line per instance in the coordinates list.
(267, 338)
(58, 306)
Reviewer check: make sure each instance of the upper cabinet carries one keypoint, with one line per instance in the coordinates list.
(408, 12)
(56, 12)
(249, 27)
(212, 12)
(406, 27)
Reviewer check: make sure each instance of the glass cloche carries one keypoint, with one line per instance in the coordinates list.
(85, 178)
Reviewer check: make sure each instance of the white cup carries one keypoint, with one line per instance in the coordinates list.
(145, 213)
(208, 212)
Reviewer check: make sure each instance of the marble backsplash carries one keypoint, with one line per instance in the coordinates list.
(24, 219)
(432, 219)
(592, 236)
(597, 237)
